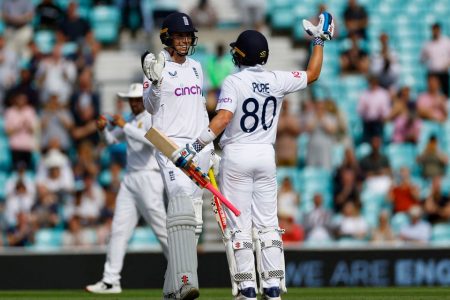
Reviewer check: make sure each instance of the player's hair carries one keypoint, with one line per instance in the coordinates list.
(178, 23)
(251, 48)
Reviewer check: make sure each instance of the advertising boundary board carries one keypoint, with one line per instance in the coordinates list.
(304, 268)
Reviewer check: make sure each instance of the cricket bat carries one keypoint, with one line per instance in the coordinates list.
(168, 147)
(217, 206)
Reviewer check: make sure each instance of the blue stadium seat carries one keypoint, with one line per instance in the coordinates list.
(47, 239)
(45, 40)
(398, 221)
(105, 21)
(440, 234)
(5, 157)
(402, 155)
(143, 238)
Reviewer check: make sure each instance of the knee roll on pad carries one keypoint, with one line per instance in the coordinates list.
(182, 265)
(234, 244)
(265, 239)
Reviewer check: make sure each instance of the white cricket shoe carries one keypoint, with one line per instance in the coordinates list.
(189, 292)
(104, 288)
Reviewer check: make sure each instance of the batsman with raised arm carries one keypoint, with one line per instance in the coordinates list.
(173, 95)
(248, 110)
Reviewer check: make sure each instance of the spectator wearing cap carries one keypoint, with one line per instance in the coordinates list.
(20, 126)
(436, 55)
(418, 231)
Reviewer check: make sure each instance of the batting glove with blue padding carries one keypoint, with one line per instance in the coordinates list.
(182, 156)
(324, 30)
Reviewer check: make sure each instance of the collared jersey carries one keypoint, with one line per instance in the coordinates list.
(182, 111)
(140, 152)
(254, 96)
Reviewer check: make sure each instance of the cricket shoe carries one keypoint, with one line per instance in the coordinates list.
(189, 292)
(102, 287)
(272, 293)
(246, 294)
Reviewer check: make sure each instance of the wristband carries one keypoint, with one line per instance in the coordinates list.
(318, 41)
(206, 137)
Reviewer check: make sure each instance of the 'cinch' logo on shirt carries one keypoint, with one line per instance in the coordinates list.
(225, 100)
(193, 90)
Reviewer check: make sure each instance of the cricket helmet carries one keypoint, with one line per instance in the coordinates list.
(251, 48)
(178, 23)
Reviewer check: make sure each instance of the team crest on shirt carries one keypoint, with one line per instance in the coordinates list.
(174, 74)
(296, 74)
(195, 72)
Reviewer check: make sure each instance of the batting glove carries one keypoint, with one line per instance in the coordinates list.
(215, 162)
(324, 30)
(182, 156)
(153, 66)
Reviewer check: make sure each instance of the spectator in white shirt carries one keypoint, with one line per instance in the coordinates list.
(436, 55)
(418, 231)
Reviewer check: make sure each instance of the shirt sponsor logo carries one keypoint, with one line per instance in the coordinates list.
(296, 74)
(193, 90)
(225, 100)
(174, 74)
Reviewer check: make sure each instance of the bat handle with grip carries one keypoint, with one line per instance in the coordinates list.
(222, 198)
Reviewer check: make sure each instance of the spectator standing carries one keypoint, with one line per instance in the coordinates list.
(346, 190)
(73, 27)
(317, 223)
(374, 107)
(384, 65)
(288, 198)
(354, 60)
(8, 70)
(17, 16)
(287, 133)
(432, 105)
(204, 15)
(20, 125)
(404, 194)
(403, 114)
(49, 15)
(322, 127)
(432, 160)
(436, 55)
(356, 19)
(437, 205)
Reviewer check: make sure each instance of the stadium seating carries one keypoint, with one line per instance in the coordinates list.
(143, 238)
(440, 234)
(47, 239)
(105, 21)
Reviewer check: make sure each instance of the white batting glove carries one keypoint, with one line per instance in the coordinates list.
(153, 66)
(324, 30)
(215, 162)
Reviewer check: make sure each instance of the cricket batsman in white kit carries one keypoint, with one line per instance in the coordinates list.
(248, 110)
(173, 94)
(141, 191)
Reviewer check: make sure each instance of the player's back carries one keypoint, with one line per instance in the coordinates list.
(255, 96)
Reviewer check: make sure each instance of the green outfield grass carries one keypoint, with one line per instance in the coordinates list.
(224, 294)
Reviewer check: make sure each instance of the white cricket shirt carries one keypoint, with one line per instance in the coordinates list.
(140, 152)
(254, 96)
(179, 110)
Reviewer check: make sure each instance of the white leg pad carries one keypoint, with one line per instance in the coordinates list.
(198, 206)
(270, 257)
(239, 250)
(182, 265)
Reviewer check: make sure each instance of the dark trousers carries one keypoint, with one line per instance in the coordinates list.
(443, 78)
(22, 157)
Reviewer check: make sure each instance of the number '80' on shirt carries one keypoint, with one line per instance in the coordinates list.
(254, 96)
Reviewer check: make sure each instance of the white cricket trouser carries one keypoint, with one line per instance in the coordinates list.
(140, 193)
(176, 182)
(248, 180)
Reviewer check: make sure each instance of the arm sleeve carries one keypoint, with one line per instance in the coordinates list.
(291, 81)
(228, 96)
(151, 97)
(135, 133)
(112, 137)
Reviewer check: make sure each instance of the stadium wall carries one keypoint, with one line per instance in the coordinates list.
(304, 268)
